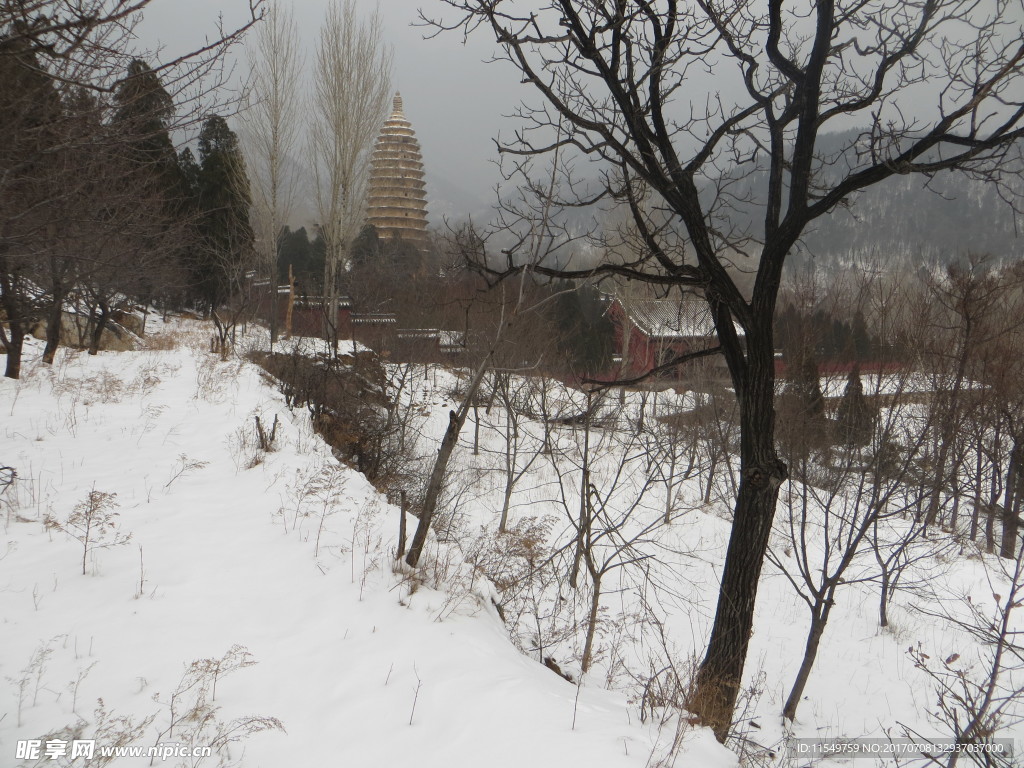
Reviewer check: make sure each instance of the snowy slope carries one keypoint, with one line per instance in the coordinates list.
(285, 554)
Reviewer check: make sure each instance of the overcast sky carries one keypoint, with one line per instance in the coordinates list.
(454, 101)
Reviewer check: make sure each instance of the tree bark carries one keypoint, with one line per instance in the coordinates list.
(976, 511)
(1012, 502)
(584, 524)
(883, 600)
(819, 618)
(53, 324)
(456, 419)
(761, 473)
(99, 325)
(401, 527)
(595, 608)
(15, 344)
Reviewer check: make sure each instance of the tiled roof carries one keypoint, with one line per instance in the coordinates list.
(665, 319)
(375, 318)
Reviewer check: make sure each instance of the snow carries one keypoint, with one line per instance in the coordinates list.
(361, 664)
(289, 555)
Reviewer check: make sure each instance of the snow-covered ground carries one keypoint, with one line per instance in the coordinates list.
(288, 556)
(235, 556)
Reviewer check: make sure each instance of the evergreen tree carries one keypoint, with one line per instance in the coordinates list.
(144, 112)
(366, 248)
(225, 234)
(863, 346)
(855, 419)
(317, 262)
(304, 257)
(31, 124)
(585, 334)
(807, 387)
(802, 422)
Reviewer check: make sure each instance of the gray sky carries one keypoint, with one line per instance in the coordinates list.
(454, 101)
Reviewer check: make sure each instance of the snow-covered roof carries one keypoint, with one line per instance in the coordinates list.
(375, 318)
(452, 339)
(670, 319)
(418, 333)
(344, 302)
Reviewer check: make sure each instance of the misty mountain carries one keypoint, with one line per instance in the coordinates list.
(909, 217)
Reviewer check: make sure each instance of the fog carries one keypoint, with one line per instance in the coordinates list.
(454, 100)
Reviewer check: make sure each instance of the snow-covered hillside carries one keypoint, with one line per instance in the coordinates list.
(247, 599)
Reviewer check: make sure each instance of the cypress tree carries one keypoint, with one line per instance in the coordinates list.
(802, 426)
(226, 237)
(144, 112)
(855, 419)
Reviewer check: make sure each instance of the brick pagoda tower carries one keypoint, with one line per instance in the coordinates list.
(397, 204)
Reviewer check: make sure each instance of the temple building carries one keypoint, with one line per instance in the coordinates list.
(397, 204)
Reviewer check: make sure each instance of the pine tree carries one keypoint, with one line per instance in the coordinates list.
(366, 248)
(585, 333)
(862, 342)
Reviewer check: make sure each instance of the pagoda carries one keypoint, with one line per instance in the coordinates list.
(397, 204)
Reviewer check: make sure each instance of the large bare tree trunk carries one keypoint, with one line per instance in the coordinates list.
(761, 473)
(591, 61)
(14, 338)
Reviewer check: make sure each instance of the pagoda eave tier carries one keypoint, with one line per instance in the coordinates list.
(402, 195)
(405, 161)
(386, 207)
(395, 219)
(399, 190)
(385, 210)
(406, 234)
(398, 178)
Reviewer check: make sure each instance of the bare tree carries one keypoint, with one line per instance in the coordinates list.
(52, 52)
(672, 446)
(520, 446)
(978, 689)
(966, 299)
(624, 82)
(271, 133)
(352, 85)
(847, 520)
(615, 529)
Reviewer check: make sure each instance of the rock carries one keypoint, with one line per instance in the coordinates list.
(75, 331)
